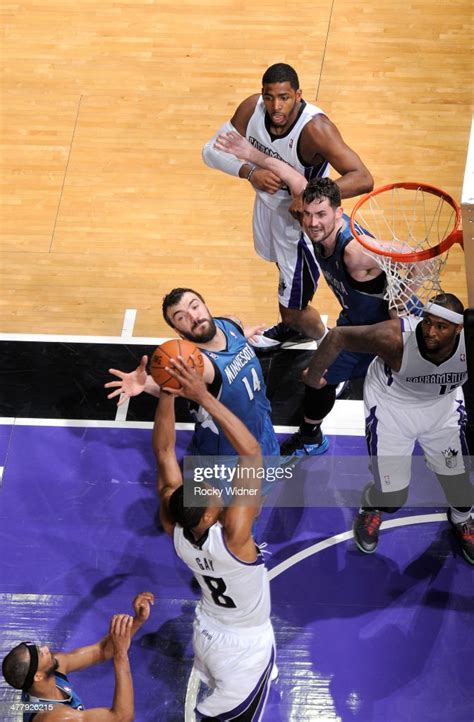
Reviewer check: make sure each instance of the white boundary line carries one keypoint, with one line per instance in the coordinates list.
(193, 682)
(346, 419)
(64, 338)
(127, 332)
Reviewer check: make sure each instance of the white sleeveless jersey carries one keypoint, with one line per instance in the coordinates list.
(419, 382)
(284, 147)
(234, 593)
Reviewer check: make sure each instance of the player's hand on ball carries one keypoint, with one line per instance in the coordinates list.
(191, 382)
(129, 384)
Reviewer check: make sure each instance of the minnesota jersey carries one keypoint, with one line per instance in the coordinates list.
(234, 593)
(35, 705)
(362, 302)
(284, 147)
(419, 382)
(242, 390)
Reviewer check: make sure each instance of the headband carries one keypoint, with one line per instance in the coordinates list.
(445, 313)
(33, 668)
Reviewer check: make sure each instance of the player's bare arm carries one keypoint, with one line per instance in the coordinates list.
(122, 709)
(102, 650)
(320, 138)
(252, 333)
(240, 147)
(359, 264)
(164, 446)
(135, 382)
(237, 519)
(260, 178)
(381, 339)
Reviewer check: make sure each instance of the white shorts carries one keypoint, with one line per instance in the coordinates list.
(278, 238)
(392, 429)
(237, 665)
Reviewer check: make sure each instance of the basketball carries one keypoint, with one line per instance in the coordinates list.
(171, 350)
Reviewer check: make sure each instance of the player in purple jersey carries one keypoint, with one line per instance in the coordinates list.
(283, 125)
(412, 392)
(47, 695)
(233, 638)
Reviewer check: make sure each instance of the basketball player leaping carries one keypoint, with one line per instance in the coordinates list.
(233, 637)
(285, 126)
(411, 393)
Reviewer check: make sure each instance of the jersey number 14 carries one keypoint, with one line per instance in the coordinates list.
(252, 384)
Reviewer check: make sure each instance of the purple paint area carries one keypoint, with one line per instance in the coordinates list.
(366, 638)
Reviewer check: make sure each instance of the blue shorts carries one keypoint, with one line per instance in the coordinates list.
(348, 365)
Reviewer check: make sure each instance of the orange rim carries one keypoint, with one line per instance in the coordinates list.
(455, 236)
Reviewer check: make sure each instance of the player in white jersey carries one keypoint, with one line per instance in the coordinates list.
(281, 124)
(233, 638)
(412, 392)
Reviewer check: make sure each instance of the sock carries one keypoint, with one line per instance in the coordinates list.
(459, 517)
(308, 429)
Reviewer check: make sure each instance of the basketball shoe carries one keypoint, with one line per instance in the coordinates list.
(366, 529)
(300, 444)
(464, 533)
(281, 333)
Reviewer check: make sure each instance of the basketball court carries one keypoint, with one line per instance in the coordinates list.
(106, 206)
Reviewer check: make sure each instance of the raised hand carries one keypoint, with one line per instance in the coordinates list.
(120, 633)
(130, 384)
(141, 606)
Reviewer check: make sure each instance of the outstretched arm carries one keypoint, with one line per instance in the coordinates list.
(137, 381)
(102, 650)
(132, 384)
(382, 339)
(164, 446)
(122, 709)
(237, 519)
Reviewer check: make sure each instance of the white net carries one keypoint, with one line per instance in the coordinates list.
(403, 221)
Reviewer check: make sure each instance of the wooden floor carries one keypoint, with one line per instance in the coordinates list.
(106, 201)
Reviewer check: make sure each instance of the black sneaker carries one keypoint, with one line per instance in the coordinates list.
(366, 529)
(465, 535)
(281, 333)
(300, 444)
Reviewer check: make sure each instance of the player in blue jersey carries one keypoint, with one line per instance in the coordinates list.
(231, 370)
(47, 695)
(354, 277)
(282, 124)
(358, 284)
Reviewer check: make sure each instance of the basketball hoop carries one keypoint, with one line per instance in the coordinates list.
(408, 228)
